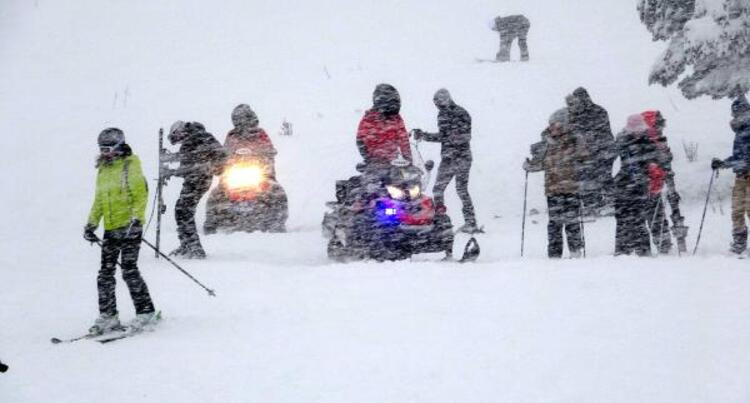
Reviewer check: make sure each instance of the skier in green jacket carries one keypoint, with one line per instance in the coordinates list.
(120, 201)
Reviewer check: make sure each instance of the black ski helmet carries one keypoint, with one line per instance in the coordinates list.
(386, 100)
(111, 137)
(244, 117)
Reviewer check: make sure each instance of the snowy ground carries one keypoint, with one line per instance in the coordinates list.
(290, 326)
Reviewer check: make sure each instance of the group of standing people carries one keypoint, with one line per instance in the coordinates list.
(577, 153)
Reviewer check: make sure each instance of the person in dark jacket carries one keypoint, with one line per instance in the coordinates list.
(559, 155)
(201, 157)
(739, 162)
(120, 202)
(591, 123)
(638, 161)
(663, 176)
(454, 136)
(510, 28)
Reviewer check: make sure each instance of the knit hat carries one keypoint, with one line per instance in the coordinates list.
(636, 124)
(560, 117)
(740, 106)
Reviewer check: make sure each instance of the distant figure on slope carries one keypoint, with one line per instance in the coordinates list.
(120, 200)
(559, 155)
(201, 157)
(510, 28)
(739, 161)
(590, 122)
(635, 184)
(454, 135)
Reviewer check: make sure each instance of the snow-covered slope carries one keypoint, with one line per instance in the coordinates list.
(290, 326)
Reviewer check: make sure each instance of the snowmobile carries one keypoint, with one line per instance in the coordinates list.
(248, 197)
(384, 215)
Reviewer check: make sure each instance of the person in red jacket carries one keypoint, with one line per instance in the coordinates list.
(382, 136)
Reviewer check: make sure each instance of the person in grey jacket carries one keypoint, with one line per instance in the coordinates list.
(510, 28)
(454, 135)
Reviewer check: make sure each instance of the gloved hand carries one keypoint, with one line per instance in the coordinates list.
(418, 134)
(167, 173)
(717, 164)
(88, 233)
(526, 165)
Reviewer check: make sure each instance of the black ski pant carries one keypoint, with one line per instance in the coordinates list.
(631, 215)
(192, 190)
(656, 214)
(564, 215)
(123, 244)
(455, 164)
(506, 41)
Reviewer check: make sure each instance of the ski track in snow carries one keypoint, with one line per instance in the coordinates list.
(287, 324)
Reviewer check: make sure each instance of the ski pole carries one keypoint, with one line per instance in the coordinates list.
(703, 218)
(210, 291)
(652, 227)
(523, 220)
(159, 195)
(580, 221)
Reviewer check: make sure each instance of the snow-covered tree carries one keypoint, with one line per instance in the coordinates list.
(709, 45)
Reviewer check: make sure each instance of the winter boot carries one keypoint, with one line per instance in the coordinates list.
(739, 243)
(576, 254)
(145, 321)
(471, 228)
(105, 324)
(195, 251)
(180, 251)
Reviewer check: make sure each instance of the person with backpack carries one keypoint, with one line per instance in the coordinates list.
(662, 176)
(201, 157)
(560, 155)
(510, 28)
(120, 201)
(637, 188)
(739, 162)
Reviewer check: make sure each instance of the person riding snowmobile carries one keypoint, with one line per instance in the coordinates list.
(248, 142)
(382, 135)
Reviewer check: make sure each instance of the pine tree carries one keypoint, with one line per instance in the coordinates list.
(708, 45)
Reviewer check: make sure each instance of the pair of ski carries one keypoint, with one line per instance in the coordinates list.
(105, 338)
(122, 332)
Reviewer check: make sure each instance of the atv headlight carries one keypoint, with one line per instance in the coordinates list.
(243, 176)
(395, 192)
(415, 191)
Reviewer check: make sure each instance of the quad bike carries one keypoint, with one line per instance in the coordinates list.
(383, 214)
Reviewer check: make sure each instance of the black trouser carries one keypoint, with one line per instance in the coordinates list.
(455, 163)
(506, 40)
(192, 190)
(125, 245)
(658, 225)
(564, 214)
(631, 214)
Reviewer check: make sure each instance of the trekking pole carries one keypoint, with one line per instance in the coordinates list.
(703, 218)
(210, 291)
(523, 221)
(580, 220)
(652, 227)
(159, 195)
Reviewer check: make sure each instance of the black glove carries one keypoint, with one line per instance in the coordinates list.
(88, 233)
(717, 164)
(167, 173)
(418, 134)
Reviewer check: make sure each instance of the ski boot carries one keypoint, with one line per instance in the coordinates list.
(739, 242)
(182, 250)
(144, 321)
(471, 228)
(105, 324)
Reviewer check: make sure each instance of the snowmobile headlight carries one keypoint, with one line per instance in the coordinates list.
(395, 192)
(415, 191)
(243, 176)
